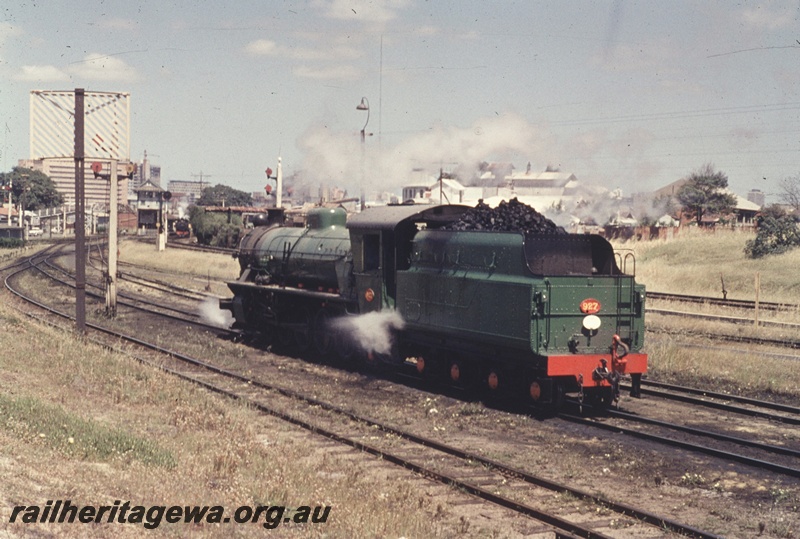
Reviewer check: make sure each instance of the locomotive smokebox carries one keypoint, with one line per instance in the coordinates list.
(274, 216)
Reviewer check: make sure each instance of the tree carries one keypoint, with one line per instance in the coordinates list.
(704, 193)
(223, 195)
(791, 192)
(213, 228)
(777, 233)
(34, 189)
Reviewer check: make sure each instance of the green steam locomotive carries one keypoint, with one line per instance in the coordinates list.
(525, 315)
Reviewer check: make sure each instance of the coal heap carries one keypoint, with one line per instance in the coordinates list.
(511, 216)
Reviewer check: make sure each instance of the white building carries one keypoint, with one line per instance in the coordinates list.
(443, 191)
(62, 172)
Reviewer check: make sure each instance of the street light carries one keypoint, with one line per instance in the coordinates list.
(364, 105)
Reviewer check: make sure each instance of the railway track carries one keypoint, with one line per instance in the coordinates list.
(733, 303)
(781, 457)
(96, 254)
(743, 339)
(493, 482)
(44, 265)
(724, 318)
(692, 444)
(721, 401)
(181, 244)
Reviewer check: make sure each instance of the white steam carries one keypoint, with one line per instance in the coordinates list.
(373, 332)
(211, 314)
(335, 156)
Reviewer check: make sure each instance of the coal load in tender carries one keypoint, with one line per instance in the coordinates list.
(509, 216)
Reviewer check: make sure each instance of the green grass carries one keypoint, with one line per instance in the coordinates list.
(64, 431)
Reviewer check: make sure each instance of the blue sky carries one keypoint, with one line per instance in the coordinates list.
(629, 95)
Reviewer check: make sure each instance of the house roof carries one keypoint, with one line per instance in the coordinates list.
(743, 204)
(453, 185)
(552, 177)
(148, 186)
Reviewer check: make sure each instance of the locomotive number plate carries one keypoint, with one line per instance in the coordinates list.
(590, 306)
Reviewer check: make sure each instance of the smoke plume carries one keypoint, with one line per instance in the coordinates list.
(339, 157)
(211, 314)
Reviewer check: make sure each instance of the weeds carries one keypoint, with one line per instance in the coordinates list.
(29, 418)
(693, 480)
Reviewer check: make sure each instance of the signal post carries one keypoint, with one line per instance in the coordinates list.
(113, 248)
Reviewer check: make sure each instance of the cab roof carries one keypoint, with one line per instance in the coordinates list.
(388, 217)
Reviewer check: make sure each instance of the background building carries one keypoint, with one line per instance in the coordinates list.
(62, 172)
(186, 192)
(145, 172)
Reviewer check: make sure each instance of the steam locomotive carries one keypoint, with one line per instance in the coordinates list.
(529, 315)
(181, 228)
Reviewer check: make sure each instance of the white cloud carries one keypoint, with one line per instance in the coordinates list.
(324, 53)
(103, 67)
(41, 74)
(266, 47)
(427, 31)
(367, 11)
(761, 18)
(9, 30)
(262, 47)
(330, 72)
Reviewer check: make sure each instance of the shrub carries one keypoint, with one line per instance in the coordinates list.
(777, 233)
(214, 228)
(10, 243)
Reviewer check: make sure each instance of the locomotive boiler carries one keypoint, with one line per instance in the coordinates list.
(529, 314)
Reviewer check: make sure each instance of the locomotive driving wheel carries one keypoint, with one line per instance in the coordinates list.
(344, 346)
(323, 336)
(460, 372)
(285, 337)
(547, 395)
(303, 331)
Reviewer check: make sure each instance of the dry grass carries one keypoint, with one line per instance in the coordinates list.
(738, 369)
(213, 265)
(78, 422)
(695, 263)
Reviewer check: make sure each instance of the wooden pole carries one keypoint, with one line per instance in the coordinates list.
(111, 281)
(80, 216)
(758, 290)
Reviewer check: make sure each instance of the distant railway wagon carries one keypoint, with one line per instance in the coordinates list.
(528, 314)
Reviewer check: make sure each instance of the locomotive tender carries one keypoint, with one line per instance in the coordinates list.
(533, 316)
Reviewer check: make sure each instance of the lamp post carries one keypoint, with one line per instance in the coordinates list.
(26, 188)
(10, 199)
(364, 105)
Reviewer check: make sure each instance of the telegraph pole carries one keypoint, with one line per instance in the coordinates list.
(80, 216)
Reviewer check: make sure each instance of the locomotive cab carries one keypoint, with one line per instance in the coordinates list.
(381, 243)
